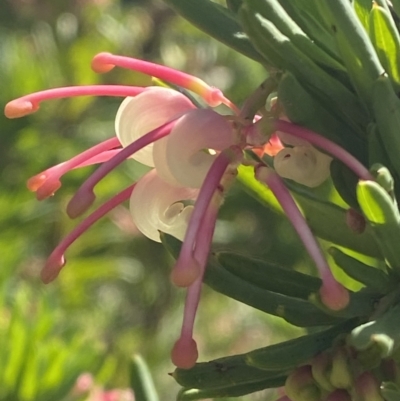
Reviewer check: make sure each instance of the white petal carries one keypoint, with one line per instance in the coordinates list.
(183, 156)
(155, 206)
(303, 164)
(149, 110)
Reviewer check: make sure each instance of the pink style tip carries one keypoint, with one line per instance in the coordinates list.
(47, 189)
(333, 295)
(185, 274)
(35, 182)
(184, 354)
(80, 203)
(52, 268)
(99, 65)
(19, 108)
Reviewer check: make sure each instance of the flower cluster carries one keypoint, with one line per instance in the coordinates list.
(194, 153)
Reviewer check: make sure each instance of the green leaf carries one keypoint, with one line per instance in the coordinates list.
(372, 277)
(384, 217)
(386, 106)
(386, 39)
(357, 51)
(293, 353)
(216, 21)
(332, 94)
(390, 391)
(231, 391)
(223, 373)
(269, 276)
(141, 381)
(363, 9)
(276, 14)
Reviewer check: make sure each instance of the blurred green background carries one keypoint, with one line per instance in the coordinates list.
(114, 297)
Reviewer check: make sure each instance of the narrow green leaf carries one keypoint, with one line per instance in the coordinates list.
(293, 353)
(390, 391)
(328, 90)
(372, 277)
(383, 215)
(386, 39)
(141, 381)
(386, 107)
(216, 21)
(223, 373)
(269, 276)
(357, 51)
(231, 391)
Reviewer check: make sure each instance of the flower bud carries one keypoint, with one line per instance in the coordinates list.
(300, 385)
(366, 388)
(341, 375)
(320, 366)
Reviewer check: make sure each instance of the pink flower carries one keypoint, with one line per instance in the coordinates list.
(194, 154)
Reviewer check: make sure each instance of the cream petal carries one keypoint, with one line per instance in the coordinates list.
(149, 110)
(303, 164)
(157, 206)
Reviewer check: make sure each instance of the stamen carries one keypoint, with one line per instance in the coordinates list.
(47, 182)
(186, 269)
(104, 62)
(323, 143)
(30, 103)
(332, 293)
(84, 197)
(56, 260)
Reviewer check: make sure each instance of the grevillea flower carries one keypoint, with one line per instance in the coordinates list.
(194, 153)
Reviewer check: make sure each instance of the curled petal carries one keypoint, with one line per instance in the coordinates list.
(141, 114)
(303, 164)
(157, 206)
(183, 157)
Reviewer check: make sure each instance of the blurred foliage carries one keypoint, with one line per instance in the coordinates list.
(114, 297)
